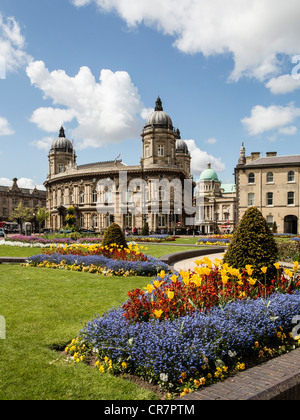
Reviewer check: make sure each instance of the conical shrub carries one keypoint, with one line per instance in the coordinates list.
(253, 243)
(114, 235)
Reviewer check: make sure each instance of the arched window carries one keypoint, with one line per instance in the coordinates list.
(251, 178)
(270, 177)
(291, 176)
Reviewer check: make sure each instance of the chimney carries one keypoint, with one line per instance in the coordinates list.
(271, 154)
(255, 155)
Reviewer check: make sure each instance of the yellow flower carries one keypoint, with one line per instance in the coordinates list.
(174, 278)
(277, 265)
(288, 272)
(296, 266)
(170, 294)
(197, 280)
(252, 281)
(158, 313)
(184, 375)
(101, 368)
(225, 280)
(264, 269)
(124, 365)
(157, 283)
(149, 288)
(162, 274)
(249, 269)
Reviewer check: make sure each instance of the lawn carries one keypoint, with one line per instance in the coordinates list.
(44, 310)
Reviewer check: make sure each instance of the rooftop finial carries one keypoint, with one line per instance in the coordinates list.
(158, 104)
(62, 132)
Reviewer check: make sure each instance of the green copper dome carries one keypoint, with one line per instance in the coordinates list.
(209, 174)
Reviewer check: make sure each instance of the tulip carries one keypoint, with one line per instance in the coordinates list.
(157, 283)
(158, 313)
(170, 294)
(264, 269)
(149, 288)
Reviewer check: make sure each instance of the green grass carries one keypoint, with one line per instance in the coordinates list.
(44, 309)
(17, 251)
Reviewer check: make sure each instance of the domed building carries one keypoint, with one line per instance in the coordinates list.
(104, 192)
(215, 204)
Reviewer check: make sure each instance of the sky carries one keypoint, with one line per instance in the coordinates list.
(227, 72)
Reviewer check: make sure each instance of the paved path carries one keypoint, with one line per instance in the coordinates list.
(190, 263)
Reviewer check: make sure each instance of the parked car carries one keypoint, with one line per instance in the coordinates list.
(2, 233)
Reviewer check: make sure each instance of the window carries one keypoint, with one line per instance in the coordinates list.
(160, 150)
(270, 177)
(291, 198)
(270, 221)
(81, 197)
(95, 196)
(161, 194)
(251, 199)
(82, 221)
(60, 168)
(269, 199)
(251, 178)
(94, 221)
(291, 176)
(161, 220)
(147, 152)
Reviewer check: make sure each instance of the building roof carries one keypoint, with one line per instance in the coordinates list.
(209, 174)
(62, 143)
(159, 118)
(228, 188)
(275, 160)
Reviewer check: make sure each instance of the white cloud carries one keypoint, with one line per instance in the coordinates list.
(283, 84)
(106, 111)
(253, 32)
(271, 118)
(200, 159)
(211, 141)
(12, 46)
(5, 128)
(22, 183)
(43, 144)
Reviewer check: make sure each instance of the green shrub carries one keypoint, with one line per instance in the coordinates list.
(145, 231)
(114, 235)
(253, 243)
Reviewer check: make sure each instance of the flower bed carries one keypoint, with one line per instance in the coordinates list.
(213, 241)
(152, 238)
(193, 350)
(188, 330)
(131, 253)
(100, 264)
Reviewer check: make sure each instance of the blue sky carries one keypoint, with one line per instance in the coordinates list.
(227, 73)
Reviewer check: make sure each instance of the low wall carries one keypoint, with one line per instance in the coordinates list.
(171, 259)
(277, 379)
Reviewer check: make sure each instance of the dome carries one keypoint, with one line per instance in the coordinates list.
(181, 147)
(62, 144)
(209, 174)
(159, 118)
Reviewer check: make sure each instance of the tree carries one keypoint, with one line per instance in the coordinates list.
(253, 244)
(21, 214)
(114, 235)
(41, 216)
(70, 218)
(145, 231)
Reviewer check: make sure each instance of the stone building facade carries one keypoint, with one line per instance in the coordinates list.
(215, 203)
(102, 192)
(272, 184)
(10, 197)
